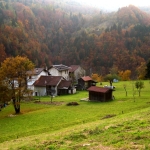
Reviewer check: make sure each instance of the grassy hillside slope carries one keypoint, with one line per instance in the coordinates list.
(119, 124)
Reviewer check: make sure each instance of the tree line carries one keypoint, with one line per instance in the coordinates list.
(51, 32)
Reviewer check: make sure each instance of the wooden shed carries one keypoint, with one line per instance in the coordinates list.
(85, 82)
(64, 87)
(100, 94)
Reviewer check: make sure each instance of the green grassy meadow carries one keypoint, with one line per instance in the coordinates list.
(123, 123)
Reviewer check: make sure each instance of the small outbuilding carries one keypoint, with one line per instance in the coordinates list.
(85, 82)
(100, 94)
(65, 87)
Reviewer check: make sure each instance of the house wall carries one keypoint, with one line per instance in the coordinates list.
(73, 91)
(39, 90)
(56, 91)
(55, 72)
(65, 74)
(49, 88)
(78, 73)
(33, 79)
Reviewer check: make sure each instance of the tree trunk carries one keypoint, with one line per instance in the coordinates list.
(17, 109)
(16, 105)
(111, 83)
(139, 93)
(51, 98)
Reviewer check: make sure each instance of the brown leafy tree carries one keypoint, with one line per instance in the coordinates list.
(13, 73)
(5, 95)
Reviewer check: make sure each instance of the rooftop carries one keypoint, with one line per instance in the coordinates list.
(73, 68)
(47, 80)
(36, 71)
(64, 83)
(60, 67)
(98, 89)
(87, 78)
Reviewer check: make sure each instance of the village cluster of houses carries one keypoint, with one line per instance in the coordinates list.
(58, 80)
(62, 80)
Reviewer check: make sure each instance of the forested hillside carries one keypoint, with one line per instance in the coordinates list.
(54, 32)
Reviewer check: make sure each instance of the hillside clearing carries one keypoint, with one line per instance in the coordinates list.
(119, 124)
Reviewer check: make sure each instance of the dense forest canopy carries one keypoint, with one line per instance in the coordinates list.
(61, 32)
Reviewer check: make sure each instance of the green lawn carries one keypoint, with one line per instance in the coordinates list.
(85, 122)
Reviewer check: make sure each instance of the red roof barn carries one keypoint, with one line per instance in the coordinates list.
(100, 94)
(85, 82)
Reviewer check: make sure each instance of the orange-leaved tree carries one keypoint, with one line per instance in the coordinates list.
(13, 72)
(125, 75)
(96, 77)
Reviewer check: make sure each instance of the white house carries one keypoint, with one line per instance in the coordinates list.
(46, 84)
(35, 75)
(52, 85)
(76, 72)
(59, 70)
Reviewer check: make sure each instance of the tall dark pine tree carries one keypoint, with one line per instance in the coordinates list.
(148, 70)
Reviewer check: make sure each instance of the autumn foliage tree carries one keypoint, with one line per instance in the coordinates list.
(49, 32)
(2, 53)
(125, 75)
(96, 77)
(141, 71)
(13, 74)
(5, 93)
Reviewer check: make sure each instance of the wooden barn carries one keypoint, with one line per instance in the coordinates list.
(64, 87)
(100, 94)
(85, 82)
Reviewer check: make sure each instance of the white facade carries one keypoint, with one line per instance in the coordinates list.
(78, 73)
(39, 91)
(73, 91)
(33, 78)
(55, 72)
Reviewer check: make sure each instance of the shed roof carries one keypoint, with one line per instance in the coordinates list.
(73, 68)
(47, 80)
(98, 89)
(86, 78)
(64, 84)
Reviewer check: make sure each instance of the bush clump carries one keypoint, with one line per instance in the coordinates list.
(72, 104)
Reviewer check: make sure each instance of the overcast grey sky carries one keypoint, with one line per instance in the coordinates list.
(114, 4)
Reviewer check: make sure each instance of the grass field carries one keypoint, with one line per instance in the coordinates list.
(123, 123)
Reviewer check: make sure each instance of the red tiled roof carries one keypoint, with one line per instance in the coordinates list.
(73, 68)
(64, 83)
(47, 80)
(86, 78)
(98, 89)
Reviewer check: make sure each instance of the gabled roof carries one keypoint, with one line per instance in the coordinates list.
(60, 67)
(36, 71)
(86, 78)
(98, 89)
(64, 84)
(47, 80)
(73, 68)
